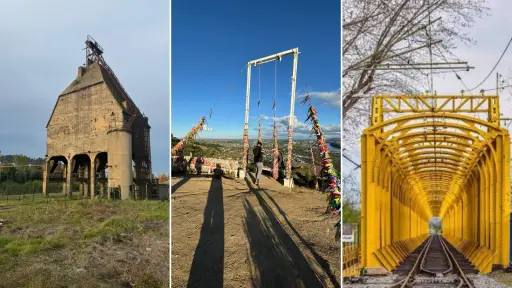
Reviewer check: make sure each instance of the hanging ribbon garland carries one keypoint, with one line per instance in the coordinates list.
(246, 149)
(290, 147)
(259, 101)
(191, 135)
(334, 187)
(314, 166)
(275, 171)
(259, 131)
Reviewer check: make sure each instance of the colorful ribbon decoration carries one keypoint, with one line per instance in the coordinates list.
(259, 131)
(275, 171)
(246, 149)
(191, 135)
(334, 187)
(314, 167)
(290, 147)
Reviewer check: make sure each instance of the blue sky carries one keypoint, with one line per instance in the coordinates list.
(211, 43)
(42, 47)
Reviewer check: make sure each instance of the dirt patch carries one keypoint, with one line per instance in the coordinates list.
(229, 233)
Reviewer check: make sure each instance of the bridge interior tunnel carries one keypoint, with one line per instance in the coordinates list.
(435, 164)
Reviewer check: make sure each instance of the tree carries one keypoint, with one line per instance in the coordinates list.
(174, 140)
(162, 177)
(351, 199)
(377, 32)
(20, 160)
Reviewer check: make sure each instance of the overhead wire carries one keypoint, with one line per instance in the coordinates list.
(453, 70)
(428, 31)
(495, 65)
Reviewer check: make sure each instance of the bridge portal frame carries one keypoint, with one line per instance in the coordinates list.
(435, 161)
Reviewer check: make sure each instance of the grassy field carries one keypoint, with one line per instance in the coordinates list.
(50, 242)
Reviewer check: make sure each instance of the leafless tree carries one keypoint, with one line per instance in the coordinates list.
(406, 32)
(351, 190)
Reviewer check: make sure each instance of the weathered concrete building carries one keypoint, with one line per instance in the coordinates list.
(98, 134)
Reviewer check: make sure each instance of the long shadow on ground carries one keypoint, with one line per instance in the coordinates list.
(278, 260)
(180, 183)
(321, 261)
(208, 263)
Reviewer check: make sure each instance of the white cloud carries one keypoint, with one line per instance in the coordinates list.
(300, 129)
(332, 98)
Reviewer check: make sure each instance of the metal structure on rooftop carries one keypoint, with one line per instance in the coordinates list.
(94, 54)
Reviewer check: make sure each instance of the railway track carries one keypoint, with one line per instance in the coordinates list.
(435, 263)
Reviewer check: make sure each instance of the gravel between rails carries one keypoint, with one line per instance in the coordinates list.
(373, 282)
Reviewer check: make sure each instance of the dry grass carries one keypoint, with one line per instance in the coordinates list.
(84, 243)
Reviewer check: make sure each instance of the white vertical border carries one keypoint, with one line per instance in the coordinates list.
(341, 140)
(170, 140)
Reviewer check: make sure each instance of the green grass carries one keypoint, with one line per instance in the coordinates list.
(25, 246)
(113, 226)
(81, 235)
(4, 241)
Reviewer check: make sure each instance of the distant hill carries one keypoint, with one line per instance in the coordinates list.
(336, 143)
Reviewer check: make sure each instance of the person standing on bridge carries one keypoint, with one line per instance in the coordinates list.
(258, 159)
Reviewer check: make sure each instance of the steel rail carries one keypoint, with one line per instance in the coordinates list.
(462, 275)
(403, 283)
(422, 267)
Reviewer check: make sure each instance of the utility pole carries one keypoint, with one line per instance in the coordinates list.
(497, 83)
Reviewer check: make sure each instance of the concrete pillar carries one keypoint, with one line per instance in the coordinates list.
(120, 160)
(45, 175)
(68, 169)
(81, 190)
(92, 174)
(86, 189)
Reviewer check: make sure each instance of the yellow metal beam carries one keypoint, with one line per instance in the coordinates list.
(433, 160)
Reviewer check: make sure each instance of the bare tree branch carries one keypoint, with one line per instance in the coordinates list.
(386, 31)
(379, 32)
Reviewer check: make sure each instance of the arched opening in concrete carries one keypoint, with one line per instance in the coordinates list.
(136, 176)
(101, 177)
(80, 175)
(56, 175)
